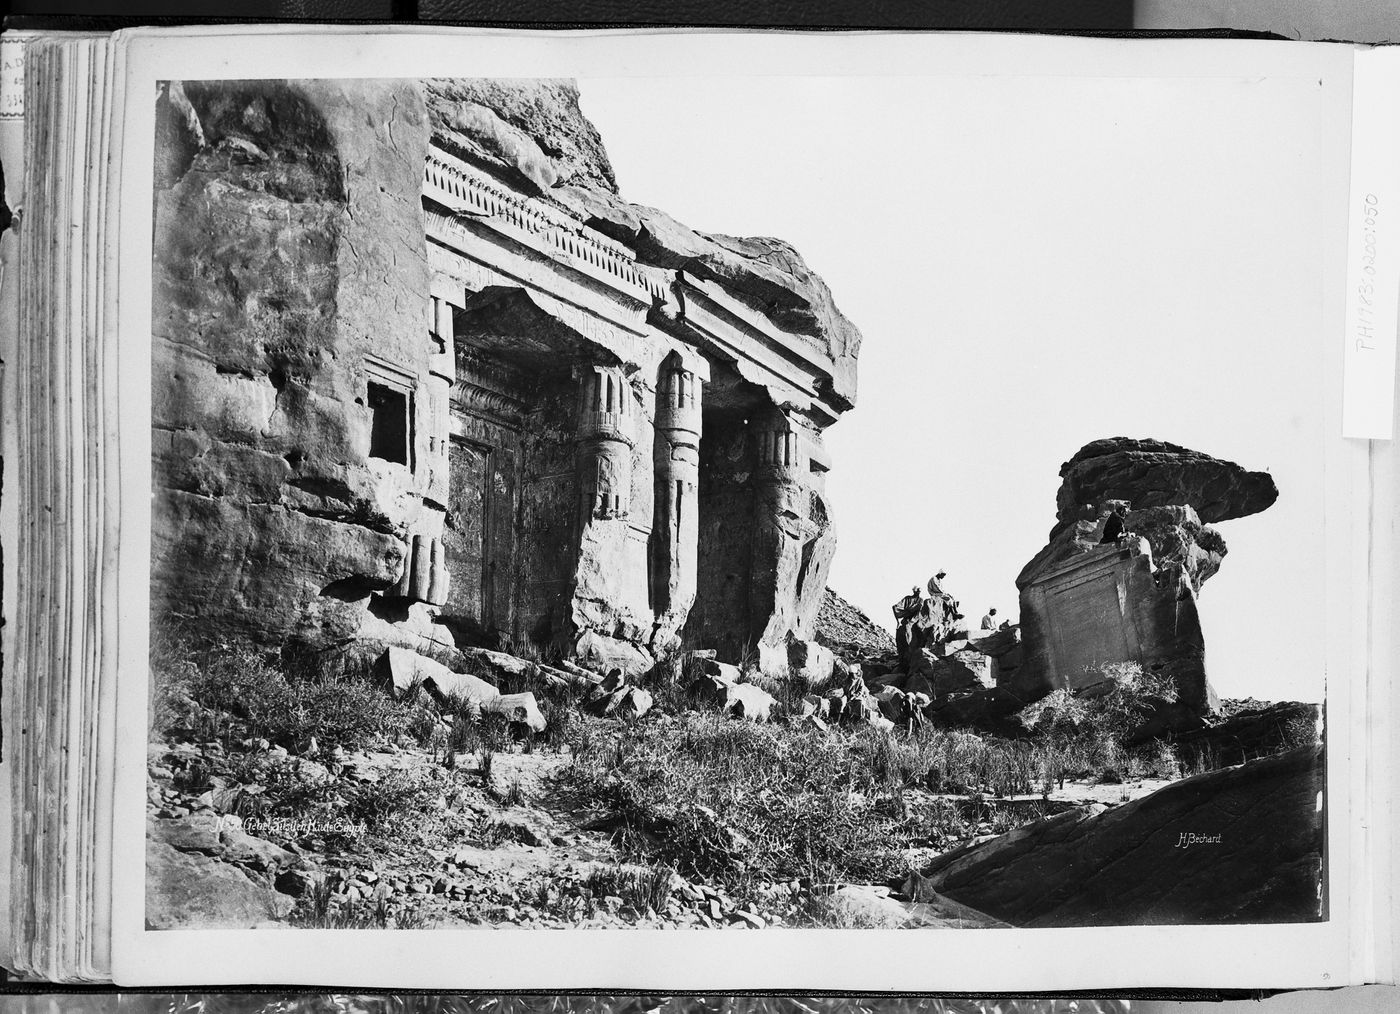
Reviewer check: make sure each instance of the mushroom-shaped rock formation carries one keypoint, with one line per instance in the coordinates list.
(1154, 473)
(1118, 579)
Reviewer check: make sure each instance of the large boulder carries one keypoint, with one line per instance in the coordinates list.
(960, 672)
(1239, 845)
(605, 654)
(192, 891)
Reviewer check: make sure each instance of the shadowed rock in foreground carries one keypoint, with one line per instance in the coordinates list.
(1260, 860)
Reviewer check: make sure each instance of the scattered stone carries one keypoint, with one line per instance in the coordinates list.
(722, 671)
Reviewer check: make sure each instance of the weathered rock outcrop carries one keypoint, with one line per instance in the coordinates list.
(1249, 732)
(422, 376)
(849, 632)
(1118, 579)
(1239, 845)
(190, 890)
(277, 270)
(1154, 473)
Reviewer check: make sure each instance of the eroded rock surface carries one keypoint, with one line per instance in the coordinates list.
(1154, 473)
(1119, 577)
(188, 890)
(849, 632)
(277, 269)
(422, 377)
(1256, 855)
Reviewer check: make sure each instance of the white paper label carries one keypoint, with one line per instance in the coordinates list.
(1373, 247)
(11, 78)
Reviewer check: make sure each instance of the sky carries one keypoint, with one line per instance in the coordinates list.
(1034, 263)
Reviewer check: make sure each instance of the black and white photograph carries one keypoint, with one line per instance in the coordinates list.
(523, 557)
(696, 513)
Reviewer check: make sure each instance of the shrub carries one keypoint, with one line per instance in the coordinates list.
(644, 888)
(1085, 733)
(736, 801)
(226, 692)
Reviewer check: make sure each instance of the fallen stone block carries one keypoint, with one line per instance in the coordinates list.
(459, 688)
(400, 670)
(521, 708)
(722, 671)
(773, 660)
(709, 689)
(893, 704)
(604, 654)
(744, 700)
(636, 702)
(809, 663)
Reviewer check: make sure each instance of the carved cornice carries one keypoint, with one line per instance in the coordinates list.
(563, 237)
(473, 399)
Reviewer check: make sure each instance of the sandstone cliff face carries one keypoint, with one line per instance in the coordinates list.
(1085, 601)
(278, 266)
(420, 374)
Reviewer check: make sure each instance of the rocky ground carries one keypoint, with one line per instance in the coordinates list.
(508, 846)
(701, 800)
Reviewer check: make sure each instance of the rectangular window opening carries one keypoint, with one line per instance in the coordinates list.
(390, 430)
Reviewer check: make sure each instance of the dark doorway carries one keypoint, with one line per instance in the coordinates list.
(479, 537)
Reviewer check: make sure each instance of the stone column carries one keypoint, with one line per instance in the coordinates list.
(605, 444)
(781, 528)
(676, 526)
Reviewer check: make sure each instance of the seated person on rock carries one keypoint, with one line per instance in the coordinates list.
(989, 622)
(1113, 530)
(906, 612)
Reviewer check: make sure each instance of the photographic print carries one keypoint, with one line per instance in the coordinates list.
(526, 552)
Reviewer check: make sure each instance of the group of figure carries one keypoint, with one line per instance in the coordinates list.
(920, 621)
